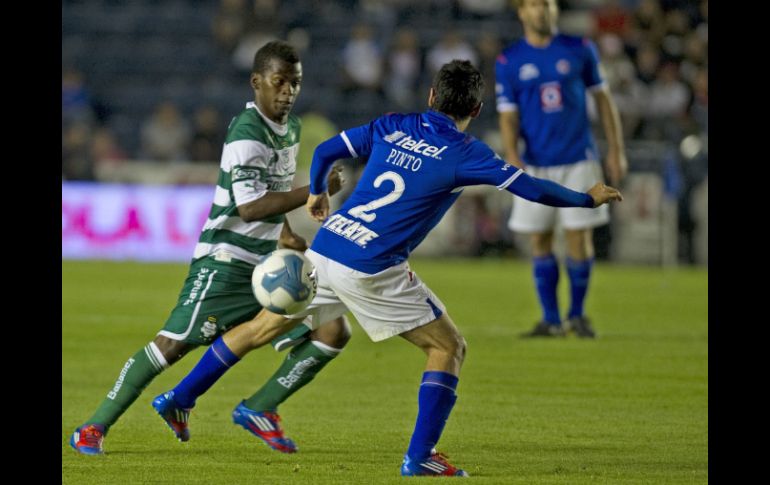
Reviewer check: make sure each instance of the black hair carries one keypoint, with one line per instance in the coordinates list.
(458, 88)
(274, 50)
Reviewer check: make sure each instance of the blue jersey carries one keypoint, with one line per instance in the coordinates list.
(418, 164)
(548, 88)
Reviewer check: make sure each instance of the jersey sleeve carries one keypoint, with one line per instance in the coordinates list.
(248, 161)
(505, 98)
(591, 75)
(485, 167)
(324, 157)
(359, 139)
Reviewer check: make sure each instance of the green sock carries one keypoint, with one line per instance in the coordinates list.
(298, 369)
(137, 373)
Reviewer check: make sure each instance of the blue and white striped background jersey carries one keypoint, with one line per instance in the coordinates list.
(418, 164)
(547, 86)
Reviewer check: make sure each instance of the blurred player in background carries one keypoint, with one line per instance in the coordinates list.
(418, 165)
(541, 98)
(246, 222)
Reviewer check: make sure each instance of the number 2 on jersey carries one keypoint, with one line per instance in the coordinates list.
(362, 211)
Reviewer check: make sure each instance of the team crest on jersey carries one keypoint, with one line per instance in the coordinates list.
(550, 97)
(285, 162)
(528, 71)
(282, 162)
(209, 328)
(563, 66)
(394, 136)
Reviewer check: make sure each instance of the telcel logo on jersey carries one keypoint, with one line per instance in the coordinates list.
(401, 139)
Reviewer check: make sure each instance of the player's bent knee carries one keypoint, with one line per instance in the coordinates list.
(463, 348)
(459, 348)
(335, 333)
(172, 350)
(453, 346)
(449, 339)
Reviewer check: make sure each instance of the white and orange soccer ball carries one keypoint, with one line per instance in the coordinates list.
(284, 282)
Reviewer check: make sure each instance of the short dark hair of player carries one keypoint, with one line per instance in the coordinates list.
(276, 49)
(517, 4)
(458, 87)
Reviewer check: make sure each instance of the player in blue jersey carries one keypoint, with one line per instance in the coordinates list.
(541, 98)
(418, 165)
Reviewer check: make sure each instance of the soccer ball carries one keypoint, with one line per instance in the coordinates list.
(284, 282)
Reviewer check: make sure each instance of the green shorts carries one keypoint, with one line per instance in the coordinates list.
(216, 297)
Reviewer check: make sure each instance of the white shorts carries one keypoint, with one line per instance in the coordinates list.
(385, 304)
(528, 216)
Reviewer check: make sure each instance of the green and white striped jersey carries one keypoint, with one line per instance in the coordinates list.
(259, 156)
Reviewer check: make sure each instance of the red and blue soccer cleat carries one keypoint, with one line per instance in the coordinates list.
(175, 417)
(88, 439)
(435, 465)
(266, 426)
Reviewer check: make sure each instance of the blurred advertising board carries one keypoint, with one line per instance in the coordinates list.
(132, 222)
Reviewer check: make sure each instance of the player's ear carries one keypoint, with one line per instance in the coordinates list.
(255, 79)
(431, 97)
(477, 110)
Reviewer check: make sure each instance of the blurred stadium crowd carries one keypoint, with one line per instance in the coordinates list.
(159, 79)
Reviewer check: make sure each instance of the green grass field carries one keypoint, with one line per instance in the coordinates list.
(628, 407)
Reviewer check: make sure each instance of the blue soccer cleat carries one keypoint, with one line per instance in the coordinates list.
(88, 439)
(175, 417)
(435, 465)
(266, 426)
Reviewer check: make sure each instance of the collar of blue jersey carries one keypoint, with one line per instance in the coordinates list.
(437, 118)
(555, 34)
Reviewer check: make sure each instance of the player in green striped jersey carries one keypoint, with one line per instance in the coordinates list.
(246, 222)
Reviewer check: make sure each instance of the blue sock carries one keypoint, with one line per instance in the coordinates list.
(546, 272)
(436, 399)
(579, 273)
(214, 363)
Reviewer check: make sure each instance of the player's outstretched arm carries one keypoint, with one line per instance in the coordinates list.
(603, 194)
(273, 203)
(550, 193)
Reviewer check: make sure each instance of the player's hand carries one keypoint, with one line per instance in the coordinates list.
(617, 166)
(602, 194)
(335, 180)
(318, 206)
(292, 240)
